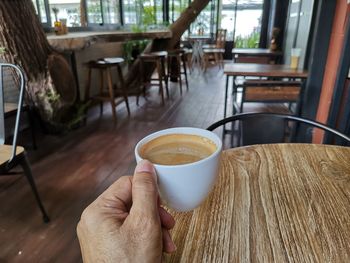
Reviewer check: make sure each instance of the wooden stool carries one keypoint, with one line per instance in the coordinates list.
(188, 58)
(179, 56)
(104, 66)
(159, 59)
(215, 54)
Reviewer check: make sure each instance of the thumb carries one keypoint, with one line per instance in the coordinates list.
(145, 190)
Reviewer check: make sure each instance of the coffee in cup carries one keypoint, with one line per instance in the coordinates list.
(176, 149)
(186, 161)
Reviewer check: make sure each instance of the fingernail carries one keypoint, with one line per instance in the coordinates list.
(145, 166)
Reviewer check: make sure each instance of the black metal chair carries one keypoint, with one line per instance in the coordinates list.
(13, 155)
(263, 128)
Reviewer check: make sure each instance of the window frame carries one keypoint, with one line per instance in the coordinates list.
(215, 16)
(90, 26)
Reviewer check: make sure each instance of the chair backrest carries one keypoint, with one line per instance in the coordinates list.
(19, 108)
(263, 128)
(272, 91)
(221, 38)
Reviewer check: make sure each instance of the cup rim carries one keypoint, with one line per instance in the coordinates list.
(157, 134)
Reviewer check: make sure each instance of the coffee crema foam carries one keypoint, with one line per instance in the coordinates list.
(176, 149)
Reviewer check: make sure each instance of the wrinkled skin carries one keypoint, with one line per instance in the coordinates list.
(126, 222)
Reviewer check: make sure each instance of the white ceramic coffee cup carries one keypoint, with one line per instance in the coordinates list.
(184, 187)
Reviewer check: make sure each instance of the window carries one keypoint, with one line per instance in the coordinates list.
(140, 12)
(132, 11)
(175, 9)
(205, 23)
(68, 10)
(111, 12)
(40, 10)
(94, 11)
(78, 13)
(103, 12)
(158, 10)
(242, 19)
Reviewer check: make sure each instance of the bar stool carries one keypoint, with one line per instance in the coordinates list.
(188, 58)
(179, 56)
(159, 59)
(104, 66)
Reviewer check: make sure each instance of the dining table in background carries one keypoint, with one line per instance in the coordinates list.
(279, 71)
(272, 203)
(197, 42)
(257, 53)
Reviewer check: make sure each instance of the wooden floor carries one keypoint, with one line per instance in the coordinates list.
(72, 170)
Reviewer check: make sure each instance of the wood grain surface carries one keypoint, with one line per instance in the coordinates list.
(272, 203)
(263, 70)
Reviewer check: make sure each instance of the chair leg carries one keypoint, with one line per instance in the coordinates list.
(122, 83)
(101, 91)
(143, 83)
(189, 62)
(179, 71)
(88, 85)
(222, 60)
(159, 71)
(31, 124)
(111, 94)
(28, 173)
(165, 77)
(185, 69)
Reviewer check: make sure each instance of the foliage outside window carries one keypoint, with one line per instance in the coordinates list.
(94, 11)
(242, 19)
(103, 12)
(248, 41)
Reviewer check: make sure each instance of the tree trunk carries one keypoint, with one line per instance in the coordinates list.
(22, 35)
(177, 28)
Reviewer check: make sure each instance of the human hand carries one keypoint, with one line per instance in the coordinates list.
(126, 222)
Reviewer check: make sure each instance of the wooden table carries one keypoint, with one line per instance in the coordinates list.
(235, 70)
(272, 203)
(263, 70)
(256, 53)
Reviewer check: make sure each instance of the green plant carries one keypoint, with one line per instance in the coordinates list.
(138, 28)
(249, 41)
(133, 48)
(148, 16)
(79, 114)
